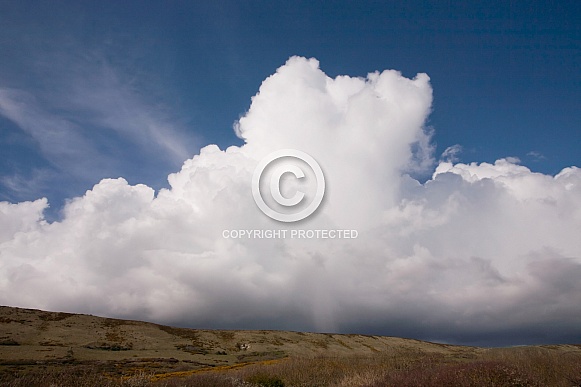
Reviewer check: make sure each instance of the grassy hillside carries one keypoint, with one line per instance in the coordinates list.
(36, 346)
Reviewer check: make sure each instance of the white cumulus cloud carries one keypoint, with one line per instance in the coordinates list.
(479, 252)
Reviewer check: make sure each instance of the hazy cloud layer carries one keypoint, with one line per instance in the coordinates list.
(479, 252)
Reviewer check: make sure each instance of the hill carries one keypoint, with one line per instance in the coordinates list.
(33, 341)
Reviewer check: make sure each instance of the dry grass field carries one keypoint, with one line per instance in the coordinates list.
(39, 348)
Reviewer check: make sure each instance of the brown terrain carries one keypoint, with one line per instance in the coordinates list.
(34, 342)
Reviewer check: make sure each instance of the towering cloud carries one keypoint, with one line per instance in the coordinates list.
(478, 252)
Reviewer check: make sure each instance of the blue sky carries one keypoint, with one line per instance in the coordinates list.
(505, 76)
(465, 189)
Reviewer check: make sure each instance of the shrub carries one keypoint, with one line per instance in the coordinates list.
(265, 380)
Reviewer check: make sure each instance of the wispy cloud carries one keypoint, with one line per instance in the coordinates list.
(29, 186)
(451, 153)
(109, 100)
(60, 140)
(90, 120)
(536, 156)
